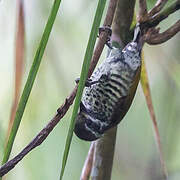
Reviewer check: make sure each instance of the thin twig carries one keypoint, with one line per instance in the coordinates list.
(155, 20)
(142, 16)
(86, 171)
(40, 137)
(103, 36)
(154, 38)
(151, 33)
(64, 108)
(157, 8)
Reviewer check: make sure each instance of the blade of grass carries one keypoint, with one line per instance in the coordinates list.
(19, 62)
(83, 77)
(147, 93)
(31, 78)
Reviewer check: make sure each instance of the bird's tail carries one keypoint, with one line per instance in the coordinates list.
(138, 37)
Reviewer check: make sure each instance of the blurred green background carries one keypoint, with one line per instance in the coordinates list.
(136, 155)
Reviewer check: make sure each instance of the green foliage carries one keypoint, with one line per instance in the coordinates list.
(83, 77)
(136, 155)
(30, 80)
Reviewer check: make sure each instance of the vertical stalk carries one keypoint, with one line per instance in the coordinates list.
(104, 147)
(103, 156)
(30, 81)
(19, 61)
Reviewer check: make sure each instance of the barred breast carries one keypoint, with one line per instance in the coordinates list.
(115, 77)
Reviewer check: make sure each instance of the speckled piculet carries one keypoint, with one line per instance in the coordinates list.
(113, 85)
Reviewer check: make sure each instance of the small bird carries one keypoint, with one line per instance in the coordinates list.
(110, 90)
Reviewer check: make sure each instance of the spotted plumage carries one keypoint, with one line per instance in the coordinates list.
(105, 102)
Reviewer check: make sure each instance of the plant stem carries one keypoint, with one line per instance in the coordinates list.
(30, 80)
(104, 147)
(163, 15)
(103, 156)
(83, 77)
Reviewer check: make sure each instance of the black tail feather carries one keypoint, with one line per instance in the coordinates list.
(137, 33)
(138, 36)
